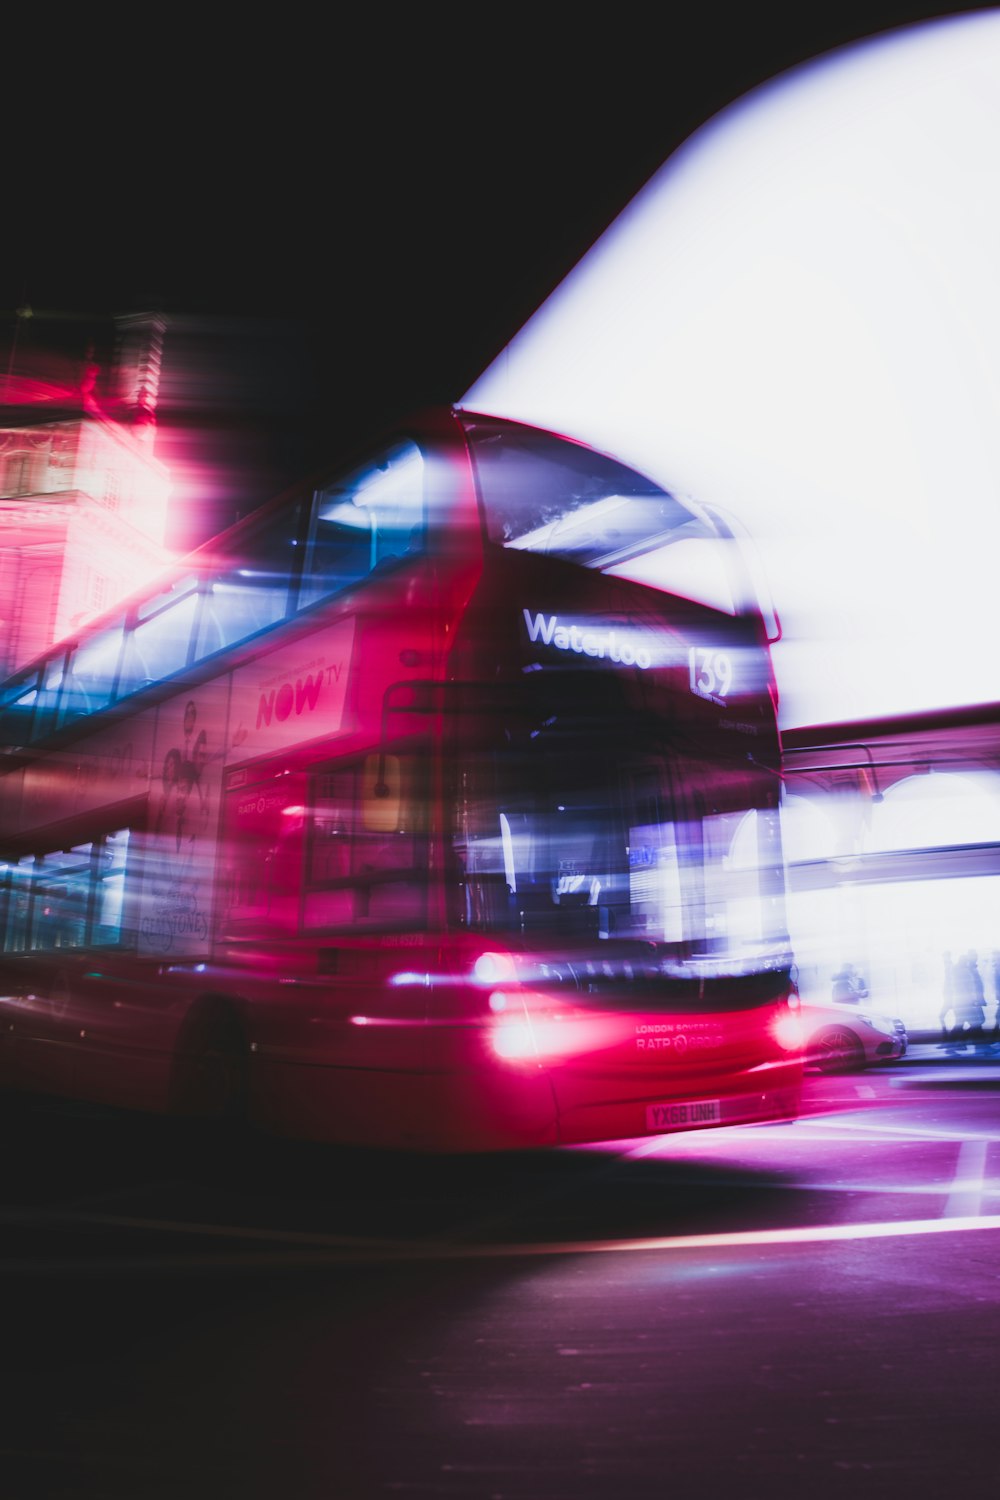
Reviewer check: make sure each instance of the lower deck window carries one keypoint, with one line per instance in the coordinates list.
(367, 860)
(67, 898)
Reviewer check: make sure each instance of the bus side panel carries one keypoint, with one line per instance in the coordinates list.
(72, 1027)
(618, 1075)
(366, 1054)
(735, 1097)
(407, 1111)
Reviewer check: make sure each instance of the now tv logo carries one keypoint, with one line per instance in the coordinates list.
(280, 703)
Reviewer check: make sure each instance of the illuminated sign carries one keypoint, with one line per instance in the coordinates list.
(710, 671)
(291, 695)
(629, 648)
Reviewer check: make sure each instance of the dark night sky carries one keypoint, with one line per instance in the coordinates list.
(343, 224)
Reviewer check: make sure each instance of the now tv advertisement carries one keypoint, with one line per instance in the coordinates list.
(290, 695)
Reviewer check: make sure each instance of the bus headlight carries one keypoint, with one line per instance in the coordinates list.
(514, 1041)
(787, 1031)
(494, 968)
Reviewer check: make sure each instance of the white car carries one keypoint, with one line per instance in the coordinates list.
(843, 1038)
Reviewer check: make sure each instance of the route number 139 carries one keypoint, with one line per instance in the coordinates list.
(710, 672)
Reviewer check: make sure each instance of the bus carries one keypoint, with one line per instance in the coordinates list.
(409, 814)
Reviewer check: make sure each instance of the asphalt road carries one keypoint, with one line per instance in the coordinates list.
(800, 1310)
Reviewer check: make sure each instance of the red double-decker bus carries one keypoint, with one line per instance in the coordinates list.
(402, 816)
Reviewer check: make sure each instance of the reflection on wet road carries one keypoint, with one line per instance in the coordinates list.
(873, 1153)
(812, 1309)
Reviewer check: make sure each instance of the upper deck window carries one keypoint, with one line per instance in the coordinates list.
(160, 642)
(371, 518)
(51, 685)
(543, 493)
(18, 700)
(89, 682)
(254, 589)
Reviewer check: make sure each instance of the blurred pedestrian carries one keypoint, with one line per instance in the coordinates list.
(844, 989)
(977, 1003)
(849, 986)
(969, 1001)
(946, 1015)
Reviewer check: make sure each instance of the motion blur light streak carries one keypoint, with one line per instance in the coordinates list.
(788, 1030)
(304, 1248)
(796, 1235)
(797, 320)
(515, 1041)
(870, 1128)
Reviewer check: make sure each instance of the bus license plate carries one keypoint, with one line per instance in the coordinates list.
(682, 1116)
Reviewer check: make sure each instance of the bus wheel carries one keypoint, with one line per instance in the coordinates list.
(838, 1051)
(210, 1081)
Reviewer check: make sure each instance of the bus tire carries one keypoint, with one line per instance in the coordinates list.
(837, 1050)
(210, 1081)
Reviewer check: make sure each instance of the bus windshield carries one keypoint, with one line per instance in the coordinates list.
(563, 831)
(543, 494)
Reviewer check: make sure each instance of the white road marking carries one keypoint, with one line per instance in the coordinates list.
(966, 1196)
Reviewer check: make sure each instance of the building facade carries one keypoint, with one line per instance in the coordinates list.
(892, 842)
(83, 498)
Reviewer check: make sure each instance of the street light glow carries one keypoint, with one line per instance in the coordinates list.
(798, 320)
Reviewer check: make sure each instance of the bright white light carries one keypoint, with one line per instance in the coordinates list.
(925, 811)
(514, 1041)
(798, 320)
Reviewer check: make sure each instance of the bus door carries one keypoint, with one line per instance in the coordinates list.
(260, 871)
(366, 901)
(326, 879)
(325, 876)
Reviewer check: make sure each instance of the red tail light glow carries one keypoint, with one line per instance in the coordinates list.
(495, 968)
(786, 1028)
(514, 1041)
